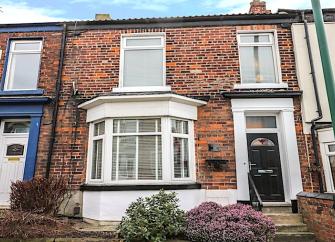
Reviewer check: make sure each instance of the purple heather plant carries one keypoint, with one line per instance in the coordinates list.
(211, 222)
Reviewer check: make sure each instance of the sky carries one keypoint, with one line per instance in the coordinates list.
(23, 11)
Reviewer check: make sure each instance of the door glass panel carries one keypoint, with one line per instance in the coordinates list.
(258, 122)
(262, 142)
(16, 127)
(15, 150)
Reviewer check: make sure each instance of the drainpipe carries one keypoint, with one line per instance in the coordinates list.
(56, 102)
(318, 104)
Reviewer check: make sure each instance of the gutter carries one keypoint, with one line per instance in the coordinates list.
(318, 104)
(56, 102)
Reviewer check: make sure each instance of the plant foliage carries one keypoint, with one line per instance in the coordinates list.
(153, 219)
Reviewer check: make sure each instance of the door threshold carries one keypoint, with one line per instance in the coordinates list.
(274, 204)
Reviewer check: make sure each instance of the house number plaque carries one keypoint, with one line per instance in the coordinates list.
(15, 150)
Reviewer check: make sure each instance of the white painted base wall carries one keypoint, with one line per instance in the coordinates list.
(111, 205)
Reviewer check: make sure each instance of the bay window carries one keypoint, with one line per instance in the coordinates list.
(142, 150)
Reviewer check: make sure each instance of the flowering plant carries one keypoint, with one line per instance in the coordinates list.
(212, 222)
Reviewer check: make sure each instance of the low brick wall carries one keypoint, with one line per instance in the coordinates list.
(319, 214)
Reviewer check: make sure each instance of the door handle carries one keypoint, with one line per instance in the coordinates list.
(250, 165)
(265, 171)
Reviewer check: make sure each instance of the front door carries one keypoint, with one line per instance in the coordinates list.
(265, 167)
(13, 149)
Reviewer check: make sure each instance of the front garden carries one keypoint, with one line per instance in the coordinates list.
(34, 207)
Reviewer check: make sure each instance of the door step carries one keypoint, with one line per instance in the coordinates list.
(285, 218)
(277, 208)
(300, 227)
(4, 207)
(290, 226)
(294, 237)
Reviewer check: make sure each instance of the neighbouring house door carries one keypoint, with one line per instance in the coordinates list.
(265, 167)
(13, 149)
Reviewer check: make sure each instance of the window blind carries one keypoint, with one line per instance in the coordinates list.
(137, 150)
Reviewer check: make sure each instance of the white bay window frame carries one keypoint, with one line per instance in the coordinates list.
(90, 151)
(165, 106)
(124, 47)
(166, 146)
(273, 43)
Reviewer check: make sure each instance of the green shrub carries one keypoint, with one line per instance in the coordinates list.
(153, 219)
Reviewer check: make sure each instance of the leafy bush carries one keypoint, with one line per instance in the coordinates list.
(153, 219)
(39, 195)
(211, 222)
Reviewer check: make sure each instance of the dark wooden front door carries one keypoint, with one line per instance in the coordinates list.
(265, 168)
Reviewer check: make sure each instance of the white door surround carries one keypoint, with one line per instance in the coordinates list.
(13, 150)
(283, 109)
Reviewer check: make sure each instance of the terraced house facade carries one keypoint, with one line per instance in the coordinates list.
(202, 105)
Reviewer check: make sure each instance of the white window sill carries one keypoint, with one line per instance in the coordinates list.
(261, 86)
(143, 89)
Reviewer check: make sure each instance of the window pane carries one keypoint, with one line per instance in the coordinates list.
(332, 167)
(331, 148)
(27, 46)
(179, 126)
(114, 157)
(143, 68)
(127, 158)
(144, 42)
(149, 158)
(23, 71)
(181, 157)
(16, 127)
(128, 126)
(254, 38)
(257, 64)
(97, 159)
(149, 125)
(257, 122)
(99, 128)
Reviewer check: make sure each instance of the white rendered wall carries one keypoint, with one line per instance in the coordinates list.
(111, 205)
(304, 70)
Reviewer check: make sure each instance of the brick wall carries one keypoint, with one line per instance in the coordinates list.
(319, 214)
(200, 61)
(47, 81)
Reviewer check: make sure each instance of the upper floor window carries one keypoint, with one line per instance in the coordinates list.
(142, 61)
(258, 58)
(23, 65)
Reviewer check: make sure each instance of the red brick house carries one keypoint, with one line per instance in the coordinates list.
(199, 105)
